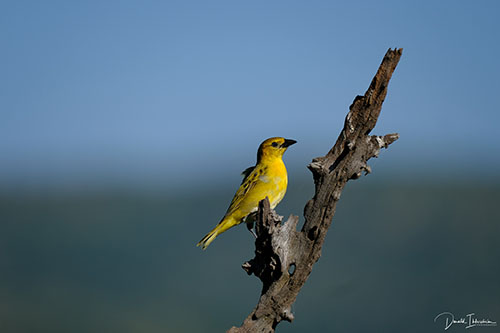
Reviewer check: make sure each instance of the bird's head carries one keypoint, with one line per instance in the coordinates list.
(273, 147)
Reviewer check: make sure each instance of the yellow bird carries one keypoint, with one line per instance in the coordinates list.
(268, 178)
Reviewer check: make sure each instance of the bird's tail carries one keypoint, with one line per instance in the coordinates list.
(219, 229)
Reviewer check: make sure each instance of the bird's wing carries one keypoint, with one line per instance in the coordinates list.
(246, 173)
(251, 177)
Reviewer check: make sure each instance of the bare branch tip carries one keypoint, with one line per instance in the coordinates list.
(287, 315)
(399, 51)
(390, 138)
(247, 267)
(315, 167)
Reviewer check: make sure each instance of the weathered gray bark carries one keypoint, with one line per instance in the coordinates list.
(284, 257)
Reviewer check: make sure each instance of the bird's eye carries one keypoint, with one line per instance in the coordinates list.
(274, 144)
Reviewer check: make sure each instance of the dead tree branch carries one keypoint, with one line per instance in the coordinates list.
(284, 257)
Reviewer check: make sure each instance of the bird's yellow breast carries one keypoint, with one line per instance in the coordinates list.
(268, 179)
(277, 179)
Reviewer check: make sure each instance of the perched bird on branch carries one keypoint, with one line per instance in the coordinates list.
(268, 178)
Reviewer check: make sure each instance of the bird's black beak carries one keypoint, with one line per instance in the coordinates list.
(288, 143)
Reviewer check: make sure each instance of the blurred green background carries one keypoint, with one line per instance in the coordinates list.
(124, 126)
(398, 254)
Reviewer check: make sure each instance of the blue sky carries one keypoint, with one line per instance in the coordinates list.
(180, 91)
